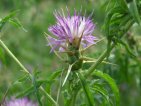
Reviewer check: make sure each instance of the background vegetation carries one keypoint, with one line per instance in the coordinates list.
(29, 46)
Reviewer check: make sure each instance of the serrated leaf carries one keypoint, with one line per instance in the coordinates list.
(112, 84)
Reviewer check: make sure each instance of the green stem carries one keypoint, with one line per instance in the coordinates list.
(73, 91)
(36, 90)
(25, 70)
(71, 102)
(100, 59)
(86, 90)
(48, 96)
(74, 98)
(106, 52)
(11, 54)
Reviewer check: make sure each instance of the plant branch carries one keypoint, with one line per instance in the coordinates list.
(128, 23)
(48, 96)
(25, 70)
(100, 59)
(12, 55)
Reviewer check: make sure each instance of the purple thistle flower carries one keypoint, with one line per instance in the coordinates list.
(73, 30)
(20, 102)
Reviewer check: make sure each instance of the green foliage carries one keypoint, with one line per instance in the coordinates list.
(10, 19)
(112, 84)
(133, 8)
(102, 91)
(120, 20)
(86, 90)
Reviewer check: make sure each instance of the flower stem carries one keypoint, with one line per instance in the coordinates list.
(100, 59)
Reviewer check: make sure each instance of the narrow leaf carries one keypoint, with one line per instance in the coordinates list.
(111, 82)
(21, 79)
(102, 91)
(54, 75)
(6, 19)
(51, 79)
(16, 23)
(126, 47)
(134, 11)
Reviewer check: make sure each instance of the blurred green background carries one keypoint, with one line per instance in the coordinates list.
(30, 46)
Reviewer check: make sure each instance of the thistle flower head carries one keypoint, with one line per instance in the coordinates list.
(73, 31)
(20, 102)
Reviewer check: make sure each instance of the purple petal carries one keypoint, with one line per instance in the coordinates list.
(68, 28)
